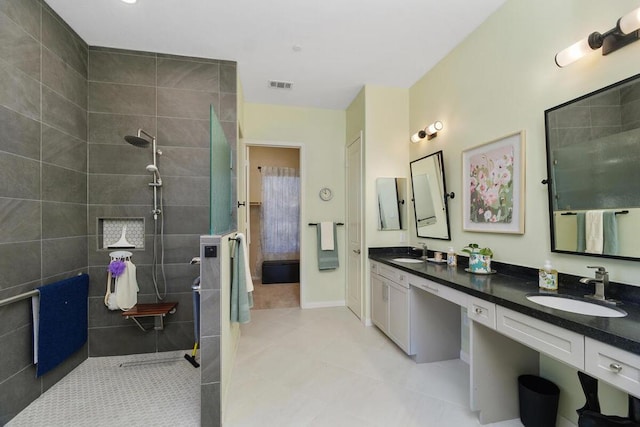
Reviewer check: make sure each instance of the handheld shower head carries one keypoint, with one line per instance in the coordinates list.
(154, 170)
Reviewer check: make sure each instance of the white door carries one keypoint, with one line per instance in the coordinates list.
(354, 226)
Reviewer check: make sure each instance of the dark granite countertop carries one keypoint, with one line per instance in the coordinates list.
(510, 285)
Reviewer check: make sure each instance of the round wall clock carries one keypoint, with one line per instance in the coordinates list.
(326, 194)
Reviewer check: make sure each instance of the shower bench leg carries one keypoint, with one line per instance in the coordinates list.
(158, 311)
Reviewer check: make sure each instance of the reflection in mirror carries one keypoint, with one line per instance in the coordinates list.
(592, 164)
(429, 203)
(391, 204)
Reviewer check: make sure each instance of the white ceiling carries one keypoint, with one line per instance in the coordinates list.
(344, 44)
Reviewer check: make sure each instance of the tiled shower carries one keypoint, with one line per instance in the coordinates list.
(65, 168)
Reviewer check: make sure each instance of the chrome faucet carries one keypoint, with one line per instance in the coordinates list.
(601, 281)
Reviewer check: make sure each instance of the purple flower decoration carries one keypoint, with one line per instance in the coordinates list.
(116, 267)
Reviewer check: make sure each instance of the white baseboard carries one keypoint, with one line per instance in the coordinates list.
(323, 304)
(465, 357)
(368, 322)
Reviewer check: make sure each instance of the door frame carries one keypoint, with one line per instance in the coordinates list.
(363, 257)
(303, 168)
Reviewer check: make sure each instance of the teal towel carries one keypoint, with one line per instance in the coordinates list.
(241, 300)
(582, 240)
(327, 260)
(610, 233)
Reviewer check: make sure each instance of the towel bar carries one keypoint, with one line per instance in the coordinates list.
(158, 311)
(20, 297)
(317, 223)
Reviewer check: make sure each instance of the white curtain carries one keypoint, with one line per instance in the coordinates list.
(280, 213)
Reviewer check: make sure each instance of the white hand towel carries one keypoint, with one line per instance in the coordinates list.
(127, 287)
(326, 236)
(594, 232)
(247, 269)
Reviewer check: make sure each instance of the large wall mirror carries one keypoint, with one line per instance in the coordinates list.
(392, 210)
(593, 158)
(429, 201)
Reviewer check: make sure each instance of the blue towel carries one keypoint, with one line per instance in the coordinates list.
(327, 260)
(582, 239)
(241, 300)
(62, 321)
(610, 233)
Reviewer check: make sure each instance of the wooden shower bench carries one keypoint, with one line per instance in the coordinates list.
(157, 310)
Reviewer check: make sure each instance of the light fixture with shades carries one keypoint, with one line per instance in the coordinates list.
(430, 132)
(626, 31)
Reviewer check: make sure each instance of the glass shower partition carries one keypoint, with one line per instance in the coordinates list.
(221, 208)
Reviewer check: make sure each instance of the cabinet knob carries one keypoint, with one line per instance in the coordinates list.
(616, 367)
(478, 310)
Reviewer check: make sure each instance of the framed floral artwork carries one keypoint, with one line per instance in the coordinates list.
(493, 186)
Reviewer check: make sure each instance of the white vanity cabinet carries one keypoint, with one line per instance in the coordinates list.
(390, 310)
(613, 365)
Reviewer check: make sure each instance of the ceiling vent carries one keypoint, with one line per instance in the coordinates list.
(275, 84)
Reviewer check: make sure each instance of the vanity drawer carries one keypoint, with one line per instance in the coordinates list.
(442, 291)
(613, 365)
(552, 340)
(393, 274)
(374, 267)
(482, 311)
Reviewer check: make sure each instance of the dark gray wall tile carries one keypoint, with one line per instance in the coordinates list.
(210, 406)
(17, 315)
(19, 220)
(16, 351)
(184, 74)
(188, 58)
(19, 48)
(185, 103)
(184, 312)
(210, 312)
(63, 185)
(176, 336)
(17, 393)
(63, 114)
(25, 13)
(186, 220)
(61, 149)
(228, 107)
(120, 159)
(119, 211)
(178, 161)
(180, 277)
(120, 341)
(19, 134)
(114, 67)
(100, 316)
(186, 191)
(120, 190)
(228, 79)
(64, 42)
(63, 220)
(65, 367)
(230, 130)
(19, 263)
(121, 99)
(62, 78)
(210, 351)
(19, 92)
(180, 249)
(105, 128)
(19, 177)
(183, 132)
(61, 255)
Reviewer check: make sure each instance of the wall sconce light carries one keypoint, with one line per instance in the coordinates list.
(626, 31)
(430, 132)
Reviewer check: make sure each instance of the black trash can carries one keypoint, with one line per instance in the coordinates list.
(538, 399)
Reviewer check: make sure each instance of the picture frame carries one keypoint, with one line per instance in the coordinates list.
(493, 185)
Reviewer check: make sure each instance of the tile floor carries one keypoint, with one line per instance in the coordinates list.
(276, 295)
(321, 367)
(302, 368)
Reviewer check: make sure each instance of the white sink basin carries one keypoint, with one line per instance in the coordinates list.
(576, 305)
(408, 260)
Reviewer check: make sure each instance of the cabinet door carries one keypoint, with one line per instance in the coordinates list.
(380, 302)
(399, 316)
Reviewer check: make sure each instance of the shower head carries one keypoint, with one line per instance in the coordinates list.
(136, 141)
(154, 170)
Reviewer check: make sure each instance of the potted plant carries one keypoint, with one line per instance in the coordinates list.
(479, 258)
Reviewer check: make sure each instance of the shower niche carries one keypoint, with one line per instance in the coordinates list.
(121, 233)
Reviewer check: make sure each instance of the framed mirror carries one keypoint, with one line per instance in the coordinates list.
(392, 211)
(593, 153)
(429, 201)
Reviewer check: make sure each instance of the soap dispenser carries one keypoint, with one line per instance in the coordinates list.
(548, 277)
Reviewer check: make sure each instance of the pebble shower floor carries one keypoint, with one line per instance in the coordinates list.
(101, 393)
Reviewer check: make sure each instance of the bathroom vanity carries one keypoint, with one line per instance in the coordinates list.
(418, 306)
